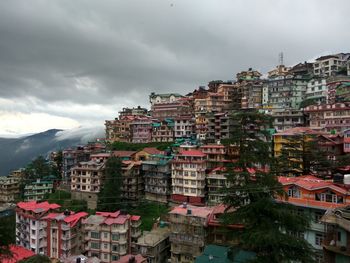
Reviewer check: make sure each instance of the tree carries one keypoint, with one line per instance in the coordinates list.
(37, 259)
(270, 227)
(37, 169)
(109, 197)
(7, 235)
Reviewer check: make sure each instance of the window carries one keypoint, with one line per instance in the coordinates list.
(294, 192)
(105, 235)
(329, 197)
(105, 256)
(114, 248)
(105, 245)
(114, 257)
(95, 245)
(95, 235)
(319, 239)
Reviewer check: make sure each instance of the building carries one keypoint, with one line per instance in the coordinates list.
(313, 197)
(157, 178)
(188, 226)
(164, 98)
(216, 153)
(71, 158)
(279, 71)
(171, 110)
(36, 191)
(141, 129)
(337, 235)
(163, 131)
(108, 236)
(329, 117)
(9, 189)
(219, 254)
(219, 126)
(86, 180)
(284, 119)
(328, 65)
(154, 245)
(133, 187)
(188, 177)
(184, 127)
(135, 111)
(30, 228)
(217, 183)
(131, 259)
(147, 153)
(64, 234)
(317, 91)
(338, 89)
(18, 254)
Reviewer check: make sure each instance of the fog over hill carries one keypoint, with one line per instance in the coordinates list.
(17, 152)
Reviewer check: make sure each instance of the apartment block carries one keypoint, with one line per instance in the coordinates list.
(141, 129)
(156, 98)
(188, 226)
(9, 189)
(64, 234)
(317, 90)
(328, 65)
(154, 245)
(338, 89)
(157, 178)
(216, 153)
(30, 228)
(329, 117)
(163, 131)
(171, 110)
(217, 182)
(36, 191)
(188, 177)
(86, 180)
(284, 119)
(219, 126)
(313, 198)
(184, 127)
(133, 186)
(108, 236)
(336, 242)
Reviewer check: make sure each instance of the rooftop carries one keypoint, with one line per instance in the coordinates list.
(153, 237)
(299, 131)
(19, 253)
(196, 153)
(196, 211)
(71, 219)
(37, 207)
(126, 258)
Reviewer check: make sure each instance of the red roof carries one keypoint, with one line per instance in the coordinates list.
(123, 153)
(135, 218)
(19, 253)
(193, 153)
(310, 182)
(121, 219)
(71, 219)
(196, 211)
(108, 214)
(37, 207)
(299, 131)
(126, 258)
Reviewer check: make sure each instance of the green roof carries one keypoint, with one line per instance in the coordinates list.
(221, 254)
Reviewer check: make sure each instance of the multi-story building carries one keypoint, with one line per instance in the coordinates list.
(188, 177)
(154, 245)
(30, 228)
(338, 89)
(109, 236)
(217, 183)
(172, 110)
(184, 127)
(133, 187)
(138, 111)
(337, 235)
(313, 197)
(329, 117)
(71, 157)
(217, 154)
(36, 191)
(348, 68)
(283, 119)
(226, 90)
(131, 258)
(157, 178)
(86, 180)
(164, 98)
(163, 131)
(219, 126)
(9, 189)
(141, 129)
(317, 90)
(328, 65)
(280, 70)
(188, 236)
(346, 141)
(64, 234)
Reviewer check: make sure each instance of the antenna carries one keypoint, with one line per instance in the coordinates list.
(280, 58)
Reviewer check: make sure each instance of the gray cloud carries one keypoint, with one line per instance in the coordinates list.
(115, 52)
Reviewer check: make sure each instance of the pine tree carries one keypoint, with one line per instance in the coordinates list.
(270, 227)
(109, 197)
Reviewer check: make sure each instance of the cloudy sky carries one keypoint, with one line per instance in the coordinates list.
(67, 63)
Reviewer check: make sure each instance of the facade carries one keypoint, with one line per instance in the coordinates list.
(141, 129)
(346, 141)
(157, 178)
(328, 65)
(219, 126)
(284, 119)
(154, 245)
(188, 226)
(133, 187)
(337, 235)
(338, 89)
(9, 189)
(217, 182)
(131, 259)
(329, 117)
(30, 228)
(188, 177)
(71, 157)
(86, 180)
(108, 236)
(184, 127)
(313, 197)
(217, 154)
(135, 111)
(317, 91)
(171, 110)
(64, 234)
(163, 98)
(163, 131)
(36, 191)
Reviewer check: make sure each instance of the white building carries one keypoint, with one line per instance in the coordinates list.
(184, 127)
(327, 65)
(317, 90)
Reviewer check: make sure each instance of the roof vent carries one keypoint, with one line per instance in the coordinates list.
(189, 211)
(66, 212)
(184, 205)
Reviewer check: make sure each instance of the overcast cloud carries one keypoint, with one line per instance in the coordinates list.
(79, 62)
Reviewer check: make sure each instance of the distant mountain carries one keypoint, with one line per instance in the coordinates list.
(17, 152)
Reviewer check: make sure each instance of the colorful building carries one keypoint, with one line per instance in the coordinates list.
(163, 131)
(133, 186)
(36, 191)
(9, 189)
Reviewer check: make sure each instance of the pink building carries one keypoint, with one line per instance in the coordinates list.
(141, 129)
